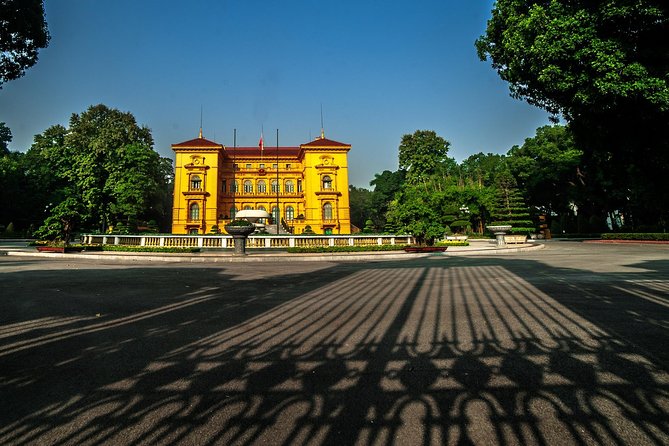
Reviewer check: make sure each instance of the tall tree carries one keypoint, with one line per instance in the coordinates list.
(421, 153)
(604, 66)
(547, 169)
(5, 138)
(360, 203)
(23, 32)
(99, 171)
(386, 185)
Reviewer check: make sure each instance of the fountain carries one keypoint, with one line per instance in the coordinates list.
(244, 224)
(499, 231)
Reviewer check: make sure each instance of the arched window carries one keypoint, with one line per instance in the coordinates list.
(327, 211)
(290, 213)
(195, 182)
(248, 187)
(262, 187)
(275, 214)
(290, 186)
(248, 208)
(262, 208)
(194, 213)
(233, 212)
(275, 186)
(327, 182)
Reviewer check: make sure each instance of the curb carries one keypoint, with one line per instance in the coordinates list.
(270, 258)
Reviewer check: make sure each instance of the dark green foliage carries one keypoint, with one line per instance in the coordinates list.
(101, 170)
(604, 67)
(360, 204)
(149, 249)
(318, 249)
(23, 32)
(510, 208)
(421, 154)
(5, 139)
(636, 236)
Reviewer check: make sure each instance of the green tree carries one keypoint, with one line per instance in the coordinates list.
(105, 164)
(386, 185)
(5, 139)
(417, 213)
(547, 168)
(509, 207)
(23, 32)
(603, 66)
(360, 203)
(481, 169)
(421, 154)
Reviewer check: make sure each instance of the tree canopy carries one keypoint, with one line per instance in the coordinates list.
(421, 153)
(99, 171)
(23, 32)
(604, 67)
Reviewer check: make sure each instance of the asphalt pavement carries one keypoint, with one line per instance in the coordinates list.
(562, 345)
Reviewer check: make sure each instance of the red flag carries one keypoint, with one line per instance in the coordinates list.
(262, 146)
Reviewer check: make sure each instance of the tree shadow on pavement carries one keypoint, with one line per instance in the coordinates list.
(445, 351)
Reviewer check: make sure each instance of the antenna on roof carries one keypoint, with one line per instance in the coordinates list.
(322, 127)
(200, 120)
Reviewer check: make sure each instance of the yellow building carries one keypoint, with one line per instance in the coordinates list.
(306, 185)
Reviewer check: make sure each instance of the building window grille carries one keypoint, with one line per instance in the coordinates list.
(248, 187)
(195, 183)
(275, 214)
(299, 185)
(290, 213)
(224, 185)
(327, 211)
(290, 186)
(275, 186)
(262, 187)
(327, 182)
(194, 211)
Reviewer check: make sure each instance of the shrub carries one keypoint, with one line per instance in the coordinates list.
(636, 236)
(165, 249)
(319, 249)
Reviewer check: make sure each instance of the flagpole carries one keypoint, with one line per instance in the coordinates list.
(234, 173)
(278, 184)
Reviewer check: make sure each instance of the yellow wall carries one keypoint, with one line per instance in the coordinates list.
(309, 164)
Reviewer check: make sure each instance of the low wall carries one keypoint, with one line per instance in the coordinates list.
(254, 241)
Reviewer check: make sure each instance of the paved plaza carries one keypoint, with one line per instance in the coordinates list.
(564, 345)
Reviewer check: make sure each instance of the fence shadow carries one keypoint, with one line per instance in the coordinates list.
(466, 351)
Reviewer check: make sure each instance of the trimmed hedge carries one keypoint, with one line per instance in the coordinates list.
(319, 249)
(452, 243)
(120, 248)
(636, 236)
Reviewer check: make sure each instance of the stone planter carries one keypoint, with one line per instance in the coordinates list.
(59, 249)
(499, 231)
(425, 249)
(239, 235)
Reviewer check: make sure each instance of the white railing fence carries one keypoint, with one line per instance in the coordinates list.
(254, 241)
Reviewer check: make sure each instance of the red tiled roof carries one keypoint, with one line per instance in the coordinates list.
(324, 142)
(268, 153)
(197, 143)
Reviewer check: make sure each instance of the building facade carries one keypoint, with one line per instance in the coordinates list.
(303, 188)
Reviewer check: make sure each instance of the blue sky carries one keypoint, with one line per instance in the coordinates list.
(379, 69)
